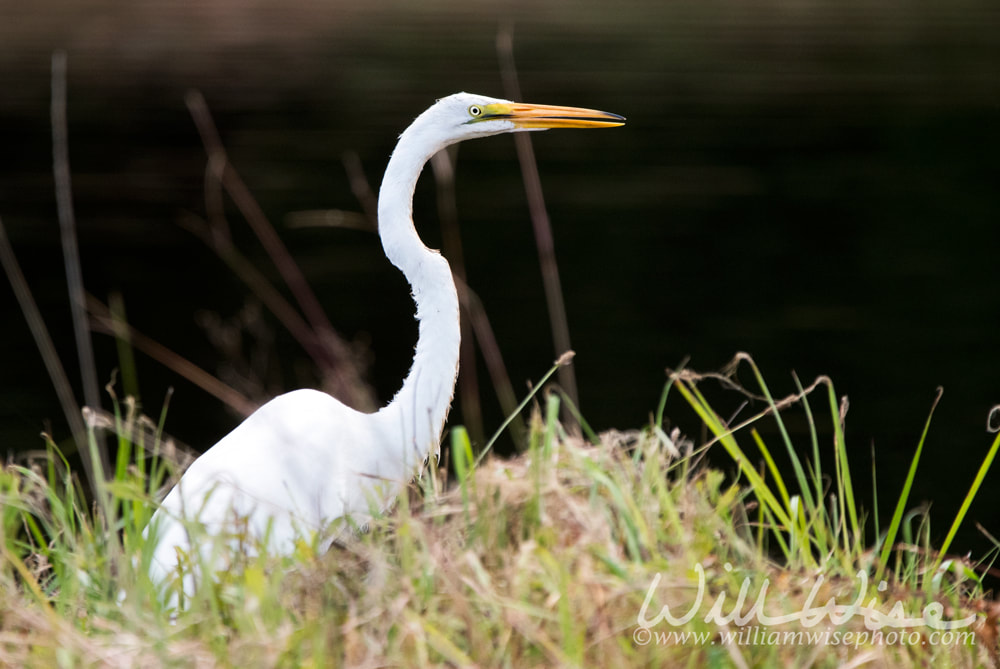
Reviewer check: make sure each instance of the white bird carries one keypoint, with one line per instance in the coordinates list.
(304, 459)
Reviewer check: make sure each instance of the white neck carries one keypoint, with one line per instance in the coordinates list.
(421, 406)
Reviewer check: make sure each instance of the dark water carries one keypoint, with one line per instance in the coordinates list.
(814, 183)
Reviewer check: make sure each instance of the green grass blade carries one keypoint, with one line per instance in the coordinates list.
(845, 489)
(786, 439)
(904, 496)
(966, 503)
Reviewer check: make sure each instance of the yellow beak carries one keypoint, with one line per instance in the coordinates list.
(525, 115)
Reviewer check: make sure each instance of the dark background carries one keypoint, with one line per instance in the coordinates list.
(812, 182)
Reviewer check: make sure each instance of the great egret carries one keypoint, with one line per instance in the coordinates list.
(304, 459)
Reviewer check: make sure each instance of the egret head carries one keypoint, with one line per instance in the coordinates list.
(466, 116)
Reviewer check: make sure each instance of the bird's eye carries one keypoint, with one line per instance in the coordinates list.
(475, 111)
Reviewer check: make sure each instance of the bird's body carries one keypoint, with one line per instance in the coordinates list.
(284, 447)
(304, 459)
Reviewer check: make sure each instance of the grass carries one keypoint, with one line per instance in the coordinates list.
(563, 556)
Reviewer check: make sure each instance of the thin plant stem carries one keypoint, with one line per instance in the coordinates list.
(40, 333)
(539, 220)
(71, 260)
(331, 353)
(360, 187)
(255, 217)
(104, 321)
(565, 359)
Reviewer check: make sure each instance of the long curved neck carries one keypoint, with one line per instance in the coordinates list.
(421, 406)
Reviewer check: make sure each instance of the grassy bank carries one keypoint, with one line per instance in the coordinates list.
(619, 549)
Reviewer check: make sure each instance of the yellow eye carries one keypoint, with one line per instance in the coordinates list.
(475, 111)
